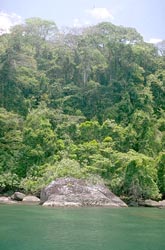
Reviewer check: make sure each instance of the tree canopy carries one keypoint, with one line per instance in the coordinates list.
(87, 103)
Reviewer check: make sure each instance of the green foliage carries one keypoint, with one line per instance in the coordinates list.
(9, 181)
(89, 130)
(10, 140)
(88, 104)
(35, 181)
(140, 179)
(39, 140)
(160, 162)
(134, 175)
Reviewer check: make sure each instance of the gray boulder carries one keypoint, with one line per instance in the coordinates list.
(152, 203)
(18, 196)
(71, 192)
(161, 204)
(6, 200)
(30, 199)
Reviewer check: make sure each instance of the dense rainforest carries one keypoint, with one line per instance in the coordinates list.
(87, 103)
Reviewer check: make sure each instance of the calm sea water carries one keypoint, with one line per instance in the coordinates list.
(39, 228)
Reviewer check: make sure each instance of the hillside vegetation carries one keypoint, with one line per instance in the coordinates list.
(87, 103)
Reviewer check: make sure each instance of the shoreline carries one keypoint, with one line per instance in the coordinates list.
(6, 200)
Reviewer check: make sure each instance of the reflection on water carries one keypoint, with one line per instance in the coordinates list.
(38, 228)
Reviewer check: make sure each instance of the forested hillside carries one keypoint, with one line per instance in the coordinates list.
(87, 103)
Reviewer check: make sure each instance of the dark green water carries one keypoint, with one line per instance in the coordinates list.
(38, 228)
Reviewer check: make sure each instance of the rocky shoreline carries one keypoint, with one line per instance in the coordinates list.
(29, 199)
(71, 192)
(33, 200)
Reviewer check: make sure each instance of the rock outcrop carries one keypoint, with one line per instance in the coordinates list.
(20, 199)
(151, 203)
(162, 204)
(6, 200)
(73, 192)
(17, 196)
(30, 199)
